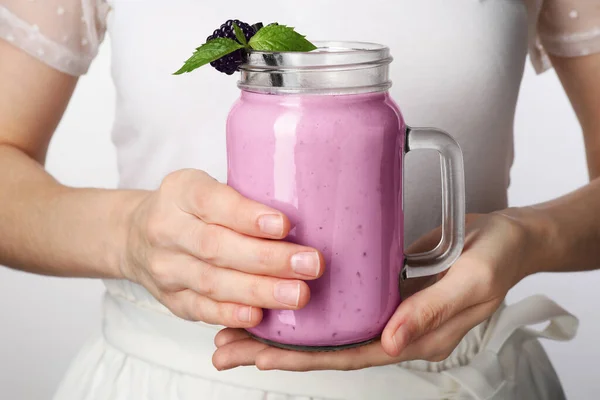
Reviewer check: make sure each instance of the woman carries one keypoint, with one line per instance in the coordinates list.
(160, 241)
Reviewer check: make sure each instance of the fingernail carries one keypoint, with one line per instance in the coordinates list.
(244, 314)
(288, 293)
(271, 224)
(400, 338)
(307, 263)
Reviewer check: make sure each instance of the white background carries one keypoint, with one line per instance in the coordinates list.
(44, 321)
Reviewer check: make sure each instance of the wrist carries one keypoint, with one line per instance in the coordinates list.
(543, 247)
(124, 218)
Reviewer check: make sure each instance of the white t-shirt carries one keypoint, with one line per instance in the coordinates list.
(457, 65)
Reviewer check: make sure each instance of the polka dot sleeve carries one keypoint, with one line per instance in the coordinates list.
(64, 34)
(565, 28)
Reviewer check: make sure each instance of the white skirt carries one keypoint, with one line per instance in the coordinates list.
(143, 353)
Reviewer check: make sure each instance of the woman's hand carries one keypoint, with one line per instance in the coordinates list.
(208, 254)
(429, 324)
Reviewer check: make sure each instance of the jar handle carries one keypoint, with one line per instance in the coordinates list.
(453, 203)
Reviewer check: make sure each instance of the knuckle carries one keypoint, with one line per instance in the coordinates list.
(174, 179)
(188, 307)
(179, 312)
(155, 229)
(164, 299)
(209, 242)
(242, 212)
(195, 315)
(193, 182)
(268, 360)
(264, 363)
(160, 272)
(205, 198)
(175, 305)
(169, 181)
(253, 290)
(224, 314)
(207, 285)
(196, 311)
(354, 363)
(202, 202)
(266, 255)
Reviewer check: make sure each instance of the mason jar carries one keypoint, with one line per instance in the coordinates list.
(317, 136)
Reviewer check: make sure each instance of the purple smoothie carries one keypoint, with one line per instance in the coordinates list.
(333, 164)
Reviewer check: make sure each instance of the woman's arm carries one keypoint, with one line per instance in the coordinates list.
(580, 77)
(573, 221)
(45, 227)
(195, 244)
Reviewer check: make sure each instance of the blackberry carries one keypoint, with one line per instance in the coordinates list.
(232, 61)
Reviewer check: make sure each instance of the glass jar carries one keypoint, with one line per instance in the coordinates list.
(317, 136)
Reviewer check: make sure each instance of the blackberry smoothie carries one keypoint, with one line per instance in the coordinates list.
(333, 165)
(317, 136)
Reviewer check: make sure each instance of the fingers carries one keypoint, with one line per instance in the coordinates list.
(240, 353)
(226, 336)
(217, 203)
(225, 248)
(344, 360)
(259, 291)
(470, 281)
(225, 285)
(250, 352)
(439, 344)
(235, 348)
(427, 310)
(191, 306)
(431, 239)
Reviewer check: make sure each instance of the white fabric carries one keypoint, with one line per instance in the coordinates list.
(124, 364)
(566, 28)
(458, 66)
(66, 33)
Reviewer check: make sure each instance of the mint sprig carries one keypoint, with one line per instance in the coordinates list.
(209, 52)
(239, 35)
(280, 38)
(271, 38)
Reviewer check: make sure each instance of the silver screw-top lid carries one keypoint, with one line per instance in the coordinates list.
(333, 68)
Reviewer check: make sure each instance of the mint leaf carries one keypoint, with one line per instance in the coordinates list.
(240, 35)
(280, 38)
(209, 52)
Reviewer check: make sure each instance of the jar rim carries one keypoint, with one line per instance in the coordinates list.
(329, 54)
(335, 67)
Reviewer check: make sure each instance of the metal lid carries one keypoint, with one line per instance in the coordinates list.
(333, 68)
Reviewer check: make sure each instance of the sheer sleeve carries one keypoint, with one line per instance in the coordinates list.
(64, 34)
(566, 28)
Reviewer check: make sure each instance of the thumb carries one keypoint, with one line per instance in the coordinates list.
(425, 311)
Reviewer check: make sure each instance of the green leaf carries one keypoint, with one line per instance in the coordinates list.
(280, 38)
(240, 35)
(209, 52)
